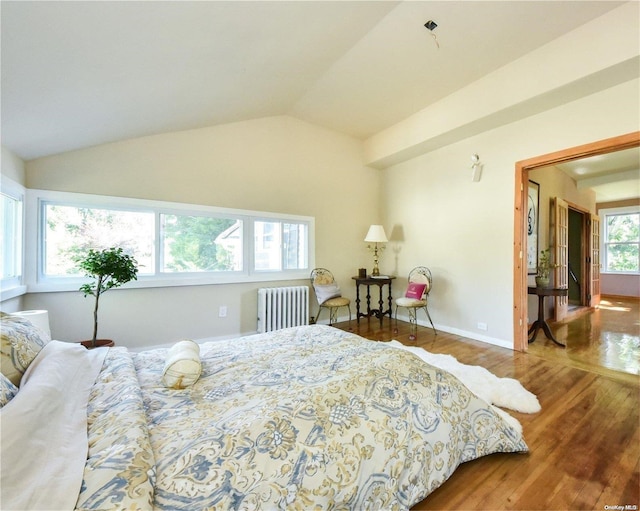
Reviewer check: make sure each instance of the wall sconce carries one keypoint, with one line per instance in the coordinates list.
(376, 235)
(476, 168)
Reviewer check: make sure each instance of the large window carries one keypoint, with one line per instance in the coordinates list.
(70, 231)
(621, 240)
(174, 244)
(11, 235)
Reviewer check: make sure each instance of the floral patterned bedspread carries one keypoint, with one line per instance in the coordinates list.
(120, 469)
(303, 418)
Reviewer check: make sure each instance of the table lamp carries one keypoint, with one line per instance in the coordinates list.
(376, 235)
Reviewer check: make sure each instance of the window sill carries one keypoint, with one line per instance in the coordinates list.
(12, 292)
(53, 285)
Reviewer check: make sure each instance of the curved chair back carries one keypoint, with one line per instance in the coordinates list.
(422, 275)
(321, 276)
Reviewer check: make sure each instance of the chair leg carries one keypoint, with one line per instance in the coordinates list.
(413, 322)
(333, 314)
(430, 321)
(395, 331)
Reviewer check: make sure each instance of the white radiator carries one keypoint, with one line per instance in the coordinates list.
(282, 307)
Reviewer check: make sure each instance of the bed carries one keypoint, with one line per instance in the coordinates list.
(302, 418)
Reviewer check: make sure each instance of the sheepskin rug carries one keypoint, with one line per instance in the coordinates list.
(499, 392)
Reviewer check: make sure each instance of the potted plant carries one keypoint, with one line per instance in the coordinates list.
(544, 268)
(108, 268)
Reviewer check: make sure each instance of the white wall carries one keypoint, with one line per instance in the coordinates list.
(612, 284)
(274, 164)
(464, 230)
(12, 167)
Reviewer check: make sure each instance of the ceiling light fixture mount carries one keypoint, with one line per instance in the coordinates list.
(431, 26)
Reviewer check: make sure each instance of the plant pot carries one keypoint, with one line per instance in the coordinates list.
(100, 343)
(542, 282)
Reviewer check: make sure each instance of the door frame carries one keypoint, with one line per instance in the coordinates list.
(522, 168)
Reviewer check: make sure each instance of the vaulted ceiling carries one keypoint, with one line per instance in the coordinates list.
(77, 74)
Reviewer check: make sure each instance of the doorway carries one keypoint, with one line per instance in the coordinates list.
(520, 224)
(576, 255)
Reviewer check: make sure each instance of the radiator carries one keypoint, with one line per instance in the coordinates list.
(282, 307)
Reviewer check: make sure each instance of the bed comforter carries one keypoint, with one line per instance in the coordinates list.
(302, 418)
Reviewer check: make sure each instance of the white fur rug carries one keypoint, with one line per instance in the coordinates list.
(503, 392)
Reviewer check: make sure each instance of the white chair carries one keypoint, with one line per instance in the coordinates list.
(328, 294)
(416, 296)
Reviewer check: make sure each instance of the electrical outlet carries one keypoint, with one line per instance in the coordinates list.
(222, 311)
(482, 326)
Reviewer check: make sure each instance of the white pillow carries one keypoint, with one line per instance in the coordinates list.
(326, 291)
(182, 367)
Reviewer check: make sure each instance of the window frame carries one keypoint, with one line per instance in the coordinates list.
(15, 286)
(603, 214)
(38, 282)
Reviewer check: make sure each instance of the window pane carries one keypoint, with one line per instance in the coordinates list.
(622, 257)
(280, 246)
(10, 237)
(267, 250)
(70, 231)
(198, 243)
(295, 246)
(623, 227)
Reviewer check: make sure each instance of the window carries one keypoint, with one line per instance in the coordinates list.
(69, 231)
(11, 238)
(174, 244)
(280, 245)
(621, 240)
(201, 243)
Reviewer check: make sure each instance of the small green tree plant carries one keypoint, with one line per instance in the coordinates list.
(108, 268)
(544, 268)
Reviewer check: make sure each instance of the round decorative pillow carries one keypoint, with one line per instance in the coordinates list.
(182, 367)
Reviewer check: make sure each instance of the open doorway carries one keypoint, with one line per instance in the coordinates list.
(520, 223)
(577, 255)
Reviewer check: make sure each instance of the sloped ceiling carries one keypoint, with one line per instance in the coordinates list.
(77, 74)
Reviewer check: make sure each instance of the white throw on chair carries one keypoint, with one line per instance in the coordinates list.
(328, 294)
(416, 296)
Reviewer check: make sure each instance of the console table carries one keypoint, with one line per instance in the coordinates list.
(540, 322)
(373, 281)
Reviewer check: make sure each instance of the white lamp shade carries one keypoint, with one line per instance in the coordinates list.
(376, 234)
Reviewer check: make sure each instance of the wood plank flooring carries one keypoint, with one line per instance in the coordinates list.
(584, 444)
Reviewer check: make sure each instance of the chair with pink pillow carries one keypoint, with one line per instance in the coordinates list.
(416, 296)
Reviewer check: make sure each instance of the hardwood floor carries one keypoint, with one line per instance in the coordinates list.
(605, 340)
(584, 444)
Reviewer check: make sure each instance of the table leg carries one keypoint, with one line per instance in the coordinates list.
(547, 332)
(358, 303)
(541, 323)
